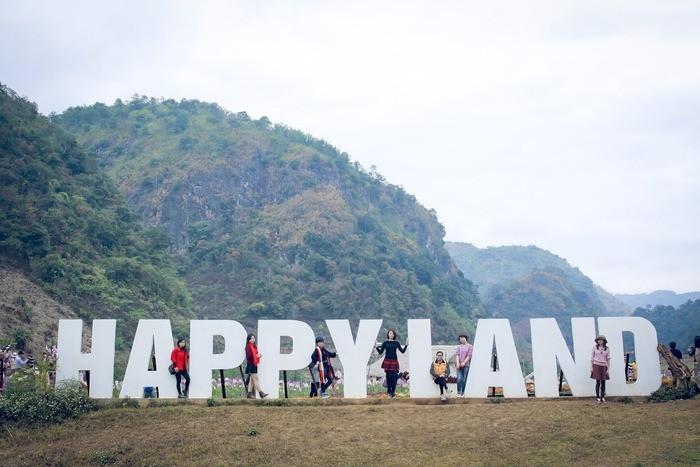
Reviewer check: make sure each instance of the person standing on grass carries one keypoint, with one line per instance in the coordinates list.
(440, 371)
(390, 365)
(180, 357)
(600, 362)
(252, 358)
(321, 369)
(20, 360)
(464, 359)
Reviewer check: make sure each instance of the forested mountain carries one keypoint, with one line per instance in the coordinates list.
(65, 226)
(680, 324)
(519, 281)
(269, 222)
(522, 282)
(659, 297)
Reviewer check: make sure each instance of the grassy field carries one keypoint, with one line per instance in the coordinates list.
(399, 432)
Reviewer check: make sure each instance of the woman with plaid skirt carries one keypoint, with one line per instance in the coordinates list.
(600, 363)
(391, 360)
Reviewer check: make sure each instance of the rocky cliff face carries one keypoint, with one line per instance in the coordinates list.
(270, 222)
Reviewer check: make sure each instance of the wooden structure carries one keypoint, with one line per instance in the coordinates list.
(681, 373)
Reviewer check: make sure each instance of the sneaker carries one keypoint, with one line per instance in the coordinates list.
(443, 397)
(602, 399)
(180, 396)
(325, 395)
(459, 396)
(263, 395)
(250, 395)
(597, 399)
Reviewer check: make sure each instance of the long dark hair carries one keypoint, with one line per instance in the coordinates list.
(178, 344)
(247, 339)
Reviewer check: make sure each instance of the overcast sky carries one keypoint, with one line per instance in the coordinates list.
(574, 126)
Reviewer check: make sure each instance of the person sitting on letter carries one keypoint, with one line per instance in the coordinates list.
(440, 371)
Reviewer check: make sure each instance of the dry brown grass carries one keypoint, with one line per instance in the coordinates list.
(559, 432)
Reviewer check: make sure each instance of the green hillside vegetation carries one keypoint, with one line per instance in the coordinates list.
(269, 222)
(542, 293)
(521, 281)
(679, 324)
(66, 227)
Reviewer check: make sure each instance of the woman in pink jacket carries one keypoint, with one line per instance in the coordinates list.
(600, 362)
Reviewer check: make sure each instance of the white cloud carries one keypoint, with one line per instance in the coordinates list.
(569, 125)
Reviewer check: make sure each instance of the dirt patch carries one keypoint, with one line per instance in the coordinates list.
(24, 305)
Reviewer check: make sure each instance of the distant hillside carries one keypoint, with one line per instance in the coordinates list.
(523, 282)
(680, 324)
(269, 222)
(520, 281)
(659, 297)
(614, 305)
(65, 227)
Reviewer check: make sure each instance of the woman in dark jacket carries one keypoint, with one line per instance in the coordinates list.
(391, 360)
(252, 358)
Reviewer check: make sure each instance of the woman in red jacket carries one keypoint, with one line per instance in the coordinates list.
(180, 357)
(252, 358)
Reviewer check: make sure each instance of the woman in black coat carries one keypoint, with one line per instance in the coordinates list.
(391, 360)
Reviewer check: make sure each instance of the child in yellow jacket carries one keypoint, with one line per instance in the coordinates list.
(440, 371)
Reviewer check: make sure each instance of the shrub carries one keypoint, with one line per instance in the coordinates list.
(52, 406)
(107, 457)
(21, 335)
(129, 403)
(667, 393)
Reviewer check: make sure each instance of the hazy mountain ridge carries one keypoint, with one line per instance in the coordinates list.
(520, 281)
(658, 297)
